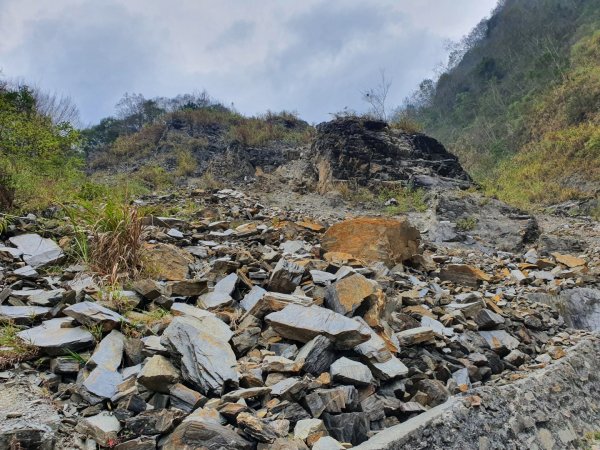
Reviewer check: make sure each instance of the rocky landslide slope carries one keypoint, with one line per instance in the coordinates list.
(259, 327)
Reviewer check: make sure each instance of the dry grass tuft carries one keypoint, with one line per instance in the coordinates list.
(116, 242)
(109, 239)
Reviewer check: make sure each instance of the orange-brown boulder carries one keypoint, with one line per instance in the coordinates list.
(373, 239)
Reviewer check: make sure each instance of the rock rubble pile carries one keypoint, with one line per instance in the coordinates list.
(264, 329)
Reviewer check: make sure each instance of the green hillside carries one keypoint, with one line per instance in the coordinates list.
(520, 101)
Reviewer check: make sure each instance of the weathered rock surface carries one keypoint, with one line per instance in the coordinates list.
(369, 150)
(527, 406)
(57, 336)
(36, 250)
(373, 239)
(207, 360)
(303, 323)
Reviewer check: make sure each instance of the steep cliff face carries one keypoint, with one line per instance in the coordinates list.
(363, 150)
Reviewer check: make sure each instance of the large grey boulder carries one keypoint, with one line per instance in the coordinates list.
(207, 360)
(303, 323)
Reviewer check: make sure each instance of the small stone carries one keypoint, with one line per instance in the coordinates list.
(158, 374)
(463, 274)
(149, 289)
(486, 319)
(347, 294)
(414, 336)
(348, 427)
(310, 430)
(234, 396)
(215, 300)
(187, 288)
(327, 443)
(320, 277)
(516, 358)
(252, 298)
(345, 370)
(194, 434)
(184, 398)
(140, 443)
(317, 355)
(333, 400)
(568, 260)
(152, 422)
(285, 276)
(256, 428)
(435, 391)
(92, 314)
(183, 309)
(103, 428)
(499, 340)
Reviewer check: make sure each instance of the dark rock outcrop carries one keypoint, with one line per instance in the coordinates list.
(366, 150)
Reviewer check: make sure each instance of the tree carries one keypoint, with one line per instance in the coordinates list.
(58, 107)
(376, 97)
(34, 152)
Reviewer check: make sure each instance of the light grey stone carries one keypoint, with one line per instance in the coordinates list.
(37, 251)
(207, 360)
(303, 323)
(345, 370)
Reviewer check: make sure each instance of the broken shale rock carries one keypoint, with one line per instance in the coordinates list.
(93, 314)
(195, 434)
(207, 360)
(58, 336)
(303, 323)
(346, 295)
(158, 374)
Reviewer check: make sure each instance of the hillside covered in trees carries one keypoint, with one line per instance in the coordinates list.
(520, 101)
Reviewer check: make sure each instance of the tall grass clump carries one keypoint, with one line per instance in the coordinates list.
(108, 237)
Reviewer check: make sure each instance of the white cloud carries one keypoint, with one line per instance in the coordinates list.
(312, 56)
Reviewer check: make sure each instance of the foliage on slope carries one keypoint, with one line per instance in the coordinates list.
(520, 101)
(162, 139)
(39, 159)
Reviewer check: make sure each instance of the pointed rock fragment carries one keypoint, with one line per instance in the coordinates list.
(207, 360)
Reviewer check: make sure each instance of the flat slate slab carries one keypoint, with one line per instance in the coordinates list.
(303, 323)
(37, 251)
(56, 336)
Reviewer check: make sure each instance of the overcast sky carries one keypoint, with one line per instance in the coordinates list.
(311, 56)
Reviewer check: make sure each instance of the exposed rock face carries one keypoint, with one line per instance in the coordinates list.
(481, 222)
(580, 307)
(369, 150)
(373, 239)
(527, 408)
